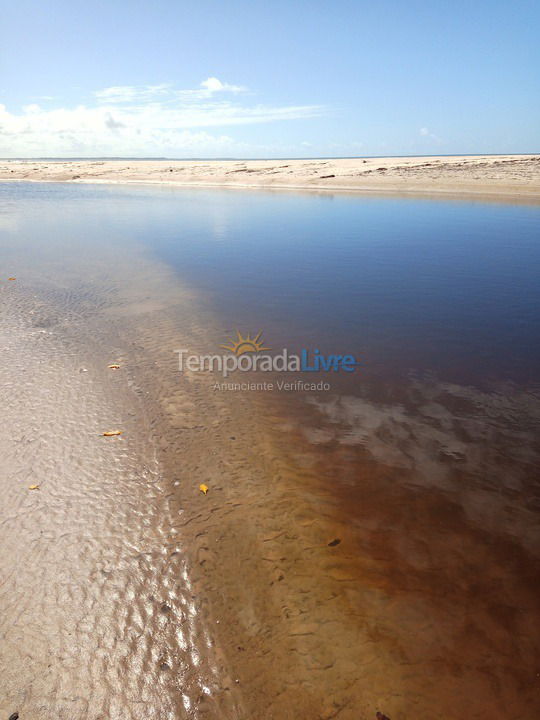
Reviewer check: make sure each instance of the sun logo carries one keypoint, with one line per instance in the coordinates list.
(246, 344)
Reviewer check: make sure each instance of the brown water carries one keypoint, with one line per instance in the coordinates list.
(374, 547)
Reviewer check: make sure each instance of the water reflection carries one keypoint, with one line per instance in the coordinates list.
(423, 464)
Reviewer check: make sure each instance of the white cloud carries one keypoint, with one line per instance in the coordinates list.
(130, 93)
(214, 85)
(149, 120)
(425, 132)
(164, 91)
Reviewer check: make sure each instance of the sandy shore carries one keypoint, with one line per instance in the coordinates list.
(486, 175)
(99, 617)
(407, 587)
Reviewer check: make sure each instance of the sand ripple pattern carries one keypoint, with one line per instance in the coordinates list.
(98, 618)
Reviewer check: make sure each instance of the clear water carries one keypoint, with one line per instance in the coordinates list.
(424, 464)
(408, 285)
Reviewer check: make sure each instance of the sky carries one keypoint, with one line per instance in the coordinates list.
(268, 78)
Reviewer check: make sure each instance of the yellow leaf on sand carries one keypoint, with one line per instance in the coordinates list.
(114, 366)
(111, 433)
(203, 488)
(33, 487)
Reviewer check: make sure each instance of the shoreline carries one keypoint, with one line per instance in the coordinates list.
(322, 600)
(92, 564)
(495, 177)
(307, 592)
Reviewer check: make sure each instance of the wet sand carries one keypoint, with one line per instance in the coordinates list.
(99, 618)
(283, 593)
(346, 559)
(495, 176)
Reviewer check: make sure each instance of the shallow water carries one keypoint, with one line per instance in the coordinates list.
(386, 530)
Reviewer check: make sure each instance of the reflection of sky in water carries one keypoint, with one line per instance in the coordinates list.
(404, 283)
(427, 483)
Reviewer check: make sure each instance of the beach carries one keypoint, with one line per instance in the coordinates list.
(99, 616)
(269, 361)
(351, 554)
(495, 176)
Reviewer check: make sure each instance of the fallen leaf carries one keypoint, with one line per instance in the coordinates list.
(111, 433)
(12, 278)
(203, 488)
(33, 487)
(114, 366)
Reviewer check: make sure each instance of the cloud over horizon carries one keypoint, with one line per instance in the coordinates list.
(148, 120)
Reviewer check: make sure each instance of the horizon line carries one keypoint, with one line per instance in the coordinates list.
(40, 158)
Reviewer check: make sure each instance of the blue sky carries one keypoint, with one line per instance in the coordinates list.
(237, 78)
